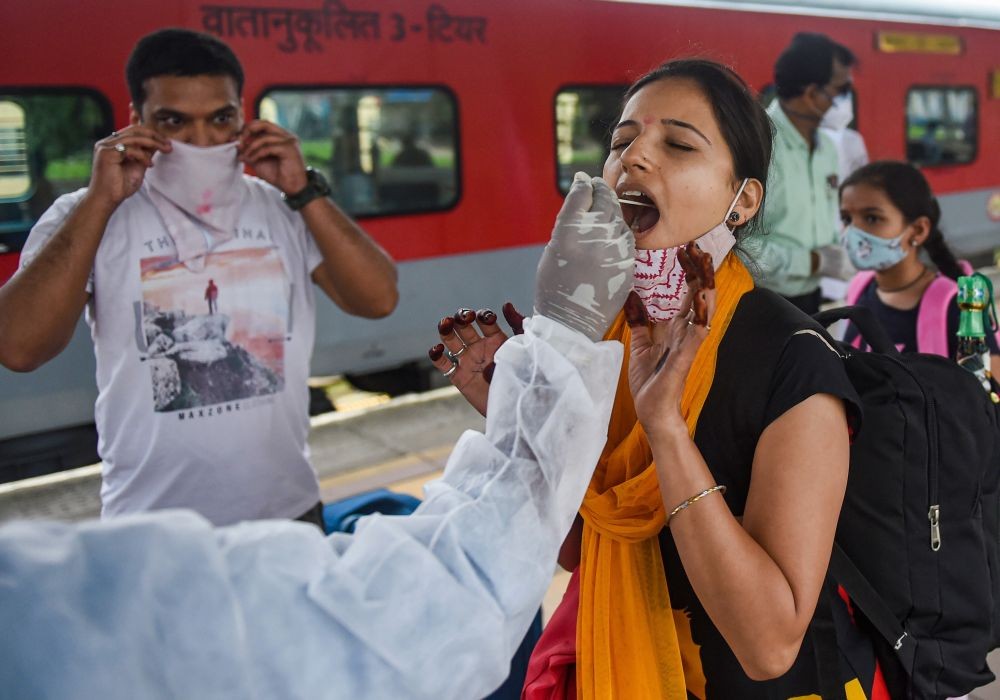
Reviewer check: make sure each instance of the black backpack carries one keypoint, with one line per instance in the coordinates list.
(917, 541)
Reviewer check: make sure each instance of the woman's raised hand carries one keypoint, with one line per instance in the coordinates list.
(465, 355)
(661, 356)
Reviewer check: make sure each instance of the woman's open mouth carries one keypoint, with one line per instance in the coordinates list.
(639, 211)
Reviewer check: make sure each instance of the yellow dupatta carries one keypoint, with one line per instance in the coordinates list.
(627, 643)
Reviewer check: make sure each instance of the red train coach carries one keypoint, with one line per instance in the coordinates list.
(451, 127)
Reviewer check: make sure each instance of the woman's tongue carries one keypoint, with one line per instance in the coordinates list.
(645, 219)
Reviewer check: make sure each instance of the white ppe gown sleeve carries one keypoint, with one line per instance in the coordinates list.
(431, 605)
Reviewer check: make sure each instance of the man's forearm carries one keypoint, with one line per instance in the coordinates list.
(41, 303)
(356, 273)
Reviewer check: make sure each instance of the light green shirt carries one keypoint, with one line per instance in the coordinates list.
(800, 208)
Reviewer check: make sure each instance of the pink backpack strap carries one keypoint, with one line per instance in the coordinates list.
(854, 290)
(932, 318)
(857, 285)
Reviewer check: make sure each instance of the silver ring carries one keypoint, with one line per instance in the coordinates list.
(691, 322)
(113, 134)
(454, 368)
(461, 352)
(120, 147)
(708, 327)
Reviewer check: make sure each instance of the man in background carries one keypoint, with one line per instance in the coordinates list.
(812, 76)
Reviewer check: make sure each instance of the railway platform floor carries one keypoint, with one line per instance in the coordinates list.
(401, 445)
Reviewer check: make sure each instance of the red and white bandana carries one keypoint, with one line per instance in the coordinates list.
(660, 282)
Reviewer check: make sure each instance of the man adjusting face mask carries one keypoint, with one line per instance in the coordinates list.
(659, 277)
(198, 193)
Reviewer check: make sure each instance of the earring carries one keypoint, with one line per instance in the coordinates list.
(734, 217)
(915, 243)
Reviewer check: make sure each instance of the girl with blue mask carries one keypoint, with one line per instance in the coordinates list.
(890, 215)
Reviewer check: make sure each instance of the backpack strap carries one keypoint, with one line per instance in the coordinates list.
(867, 599)
(865, 321)
(857, 285)
(824, 639)
(855, 288)
(932, 318)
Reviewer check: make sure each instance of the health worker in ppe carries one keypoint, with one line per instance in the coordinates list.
(432, 605)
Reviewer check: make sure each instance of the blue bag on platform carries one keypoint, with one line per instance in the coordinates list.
(341, 516)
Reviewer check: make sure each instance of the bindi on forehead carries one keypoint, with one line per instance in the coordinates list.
(646, 121)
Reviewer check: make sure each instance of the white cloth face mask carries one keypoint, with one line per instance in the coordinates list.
(659, 277)
(840, 114)
(198, 192)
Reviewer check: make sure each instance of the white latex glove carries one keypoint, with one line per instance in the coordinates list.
(587, 267)
(834, 262)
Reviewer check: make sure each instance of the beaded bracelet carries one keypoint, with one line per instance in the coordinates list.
(694, 499)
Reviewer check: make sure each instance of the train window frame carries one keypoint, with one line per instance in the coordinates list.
(976, 122)
(99, 98)
(446, 90)
(621, 87)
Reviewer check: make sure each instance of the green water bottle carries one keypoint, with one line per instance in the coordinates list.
(975, 298)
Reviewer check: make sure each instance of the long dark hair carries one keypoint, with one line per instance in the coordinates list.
(907, 189)
(744, 124)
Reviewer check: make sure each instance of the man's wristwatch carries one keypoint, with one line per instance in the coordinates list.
(317, 186)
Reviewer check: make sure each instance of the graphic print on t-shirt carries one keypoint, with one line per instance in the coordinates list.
(216, 335)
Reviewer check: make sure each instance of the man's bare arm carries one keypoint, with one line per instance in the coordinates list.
(40, 305)
(355, 273)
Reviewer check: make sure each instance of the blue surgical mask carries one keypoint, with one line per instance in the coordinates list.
(868, 252)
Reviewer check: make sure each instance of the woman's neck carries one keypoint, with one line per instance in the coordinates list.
(902, 285)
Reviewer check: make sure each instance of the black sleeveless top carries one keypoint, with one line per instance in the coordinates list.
(763, 370)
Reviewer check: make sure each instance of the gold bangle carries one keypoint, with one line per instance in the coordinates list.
(694, 499)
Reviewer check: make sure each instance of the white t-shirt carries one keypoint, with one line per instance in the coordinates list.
(203, 401)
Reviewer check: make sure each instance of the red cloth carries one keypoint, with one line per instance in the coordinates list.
(552, 667)
(880, 691)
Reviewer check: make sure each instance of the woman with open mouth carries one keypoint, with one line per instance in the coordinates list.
(704, 537)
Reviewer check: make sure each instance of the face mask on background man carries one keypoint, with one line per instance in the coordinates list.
(840, 114)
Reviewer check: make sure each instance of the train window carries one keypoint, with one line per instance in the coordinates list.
(385, 150)
(583, 118)
(46, 147)
(941, 125)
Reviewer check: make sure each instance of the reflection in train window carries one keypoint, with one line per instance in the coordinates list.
(584, 117)
(941, 125)
(46, 147)
(384, 150)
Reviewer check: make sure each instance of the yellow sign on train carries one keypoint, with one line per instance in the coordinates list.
(905, 42)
